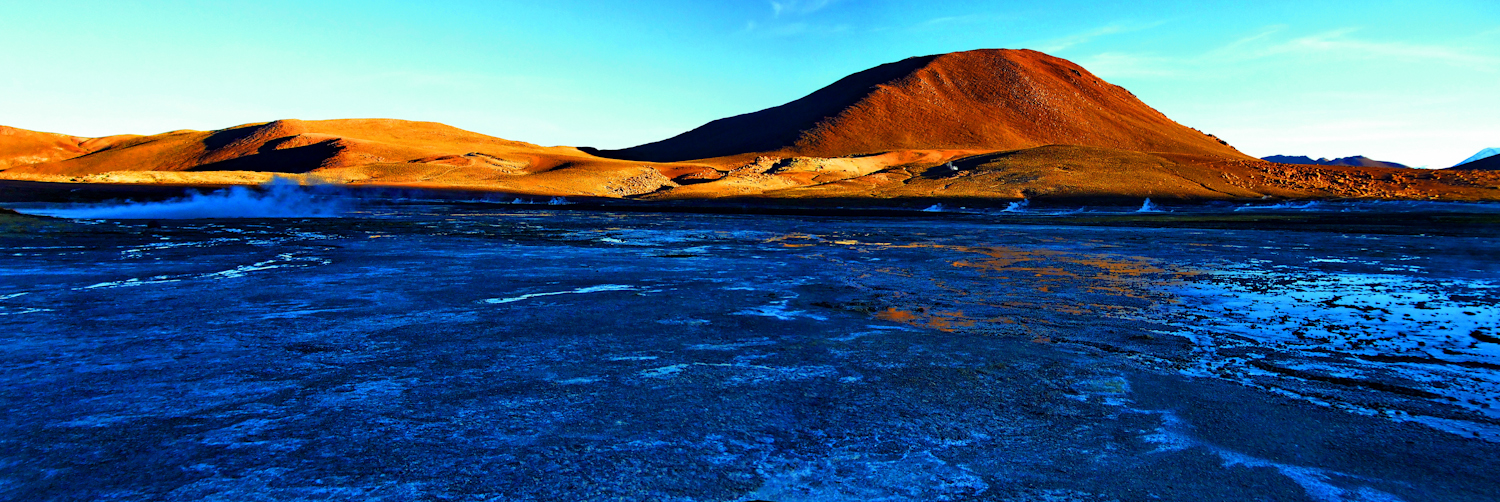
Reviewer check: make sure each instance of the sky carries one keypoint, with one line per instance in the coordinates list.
(1414, 82)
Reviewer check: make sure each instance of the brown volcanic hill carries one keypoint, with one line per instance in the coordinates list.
(20, 147)
(992, 99)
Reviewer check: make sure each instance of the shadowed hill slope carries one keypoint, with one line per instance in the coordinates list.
(992, 99)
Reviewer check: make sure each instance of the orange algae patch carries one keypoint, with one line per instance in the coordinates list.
(948, 321)
(806, 240)
(892, 314)
(1133, 266)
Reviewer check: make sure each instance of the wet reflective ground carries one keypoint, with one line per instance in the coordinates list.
(471, 352)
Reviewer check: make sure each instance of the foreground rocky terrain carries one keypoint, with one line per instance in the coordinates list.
(472, 351)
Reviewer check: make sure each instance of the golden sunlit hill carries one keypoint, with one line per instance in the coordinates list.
(354, 151)
(21, 147)
(985, 124)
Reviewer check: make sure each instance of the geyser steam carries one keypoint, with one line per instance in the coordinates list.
(280, 198)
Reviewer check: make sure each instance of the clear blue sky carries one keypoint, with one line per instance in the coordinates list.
(1416, 82)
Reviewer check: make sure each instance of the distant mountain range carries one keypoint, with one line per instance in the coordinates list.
(1490, 163)
(982, 124)
(1488, 153)
(1357, 160)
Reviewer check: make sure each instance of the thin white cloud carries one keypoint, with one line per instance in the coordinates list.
(1061, 44)
(791, 18)
(1250, 40)
(788, 19)
(1338, 42)
(1120, 64)
(798, 6)
(1266, 45)
(800, 29)
(950, 21)
(947, 20)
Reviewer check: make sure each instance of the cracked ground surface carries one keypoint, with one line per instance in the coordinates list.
(436, 352)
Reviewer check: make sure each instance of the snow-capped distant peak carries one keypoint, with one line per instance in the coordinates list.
(1483, 154)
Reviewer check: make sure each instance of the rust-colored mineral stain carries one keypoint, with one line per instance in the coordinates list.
(949, 321)
(893, 314)
(788, 237)
(946, 321)
(1070, 309)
